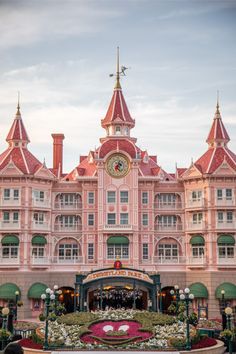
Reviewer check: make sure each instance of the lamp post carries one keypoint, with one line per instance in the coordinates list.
(228, 312)
(5, 313)
(223, 315)
(175, 293)
(17, 298)
(186, 297)
(48, 297)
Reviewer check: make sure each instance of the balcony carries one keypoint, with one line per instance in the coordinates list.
(10, 262)
(40, 262)
(195, 203)
(117, 227)
(68, 206)
(225, 202)
(196, 226)
(226, 261)
(10, 202)
(168, 227)
(67, 227)
(168, 206)
(169, 260)
(196, 262)
(41, 203)
(69, 260)
(226, 225)
(40, 225)
(10, 225)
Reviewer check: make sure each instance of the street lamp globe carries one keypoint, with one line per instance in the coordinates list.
(17, 293)
(182, 297)
(191, 296)
(55, 287)
(48, 290)
(5, 311)
(187, 290)
(222, 292)
(228, 311)
(43, 296)
(172, 292)
(52, 296)
(176, 287)
(181, 291)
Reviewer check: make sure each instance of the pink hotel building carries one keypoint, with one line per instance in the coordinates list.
(117, 203)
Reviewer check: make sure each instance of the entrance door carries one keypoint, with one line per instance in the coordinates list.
(67, 298)
(116, 297)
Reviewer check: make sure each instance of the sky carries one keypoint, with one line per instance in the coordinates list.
(59, 54)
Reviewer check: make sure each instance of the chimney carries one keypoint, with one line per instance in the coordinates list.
(58, 152)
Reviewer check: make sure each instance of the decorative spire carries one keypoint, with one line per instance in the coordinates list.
(117, 85)
(217, 103)
(18, 105)
(17, 132)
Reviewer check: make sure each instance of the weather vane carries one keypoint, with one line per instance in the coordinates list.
(120, 71)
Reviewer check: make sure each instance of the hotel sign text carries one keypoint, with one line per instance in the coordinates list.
(124, 273)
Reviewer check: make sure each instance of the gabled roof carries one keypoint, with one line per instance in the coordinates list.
(212, 159)
(117, 145)
(22, 158)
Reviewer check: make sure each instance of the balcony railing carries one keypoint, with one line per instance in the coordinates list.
(10, 201)
(225, 202)
(43, 203)
(168, 206)
(5, 224)
(169, 260)
(67, 227)
(40, 261)
(196, 260)
(168, 227)
(68, 206)
(195, 203)
(226, 225)
(40, 225)
(9, 261)
(196, 225)
(118, 227)
(227, 261)
(67, 260)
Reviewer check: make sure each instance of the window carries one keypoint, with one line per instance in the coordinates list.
(90, 197)
(6, 217)
(124, 218)
(111, 197)
(219, 194)
(68, 220)
(68, 251)
(197, 251)
(90, 251)
(145, 250)
(226, 251)
(6, 194)
(167, 220)
(90, 219)
(124, 196)
(39, 218)
(38, 251)
(196, 195)
(229, 217)
(111, 218)
(38, 195)
(68, 199)
(166, 199)
(118, 130)
(167, 252)
(228, 193)
(10, 251)
(145, 197)
(197, 218)
(118, 251)
(16, 194)
(145, 219)
(15, 217)
(220, 217)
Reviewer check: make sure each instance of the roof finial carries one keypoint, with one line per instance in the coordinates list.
(18, 104)
(117, 85)
(217, 103)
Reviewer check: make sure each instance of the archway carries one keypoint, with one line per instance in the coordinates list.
(67, 298)
(165, 298)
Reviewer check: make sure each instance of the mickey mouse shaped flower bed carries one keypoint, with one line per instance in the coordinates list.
(115, 333)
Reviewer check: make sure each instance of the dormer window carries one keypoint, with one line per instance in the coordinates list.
(16, 144)
(126, 131)
(118, 130)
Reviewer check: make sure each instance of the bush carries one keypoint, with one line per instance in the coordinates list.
(42, 317)
(178, 343)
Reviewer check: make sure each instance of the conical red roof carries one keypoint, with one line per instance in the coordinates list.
(118, 111)
(18, 131)
(218, 132)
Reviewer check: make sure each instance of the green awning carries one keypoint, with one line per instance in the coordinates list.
(199, 290)
(36, 290)
(118, 240)
(39, 240)
(10, 239)
(226, 239)
(7, 291)
(197, 240)
(230, 291)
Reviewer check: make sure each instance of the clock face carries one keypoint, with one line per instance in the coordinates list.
(117, 165)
